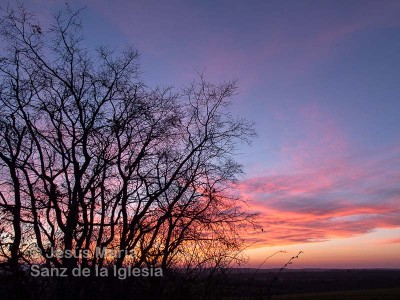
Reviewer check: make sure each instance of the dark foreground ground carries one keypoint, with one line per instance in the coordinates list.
(315, 284)
(371, 294)
(236, 284)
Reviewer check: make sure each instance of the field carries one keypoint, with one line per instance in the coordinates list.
(374, 294)
(313, 285)
(232, 284)
(379, 294)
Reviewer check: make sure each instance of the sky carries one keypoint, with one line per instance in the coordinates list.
(321, 81)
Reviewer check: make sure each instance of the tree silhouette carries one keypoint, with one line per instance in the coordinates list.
(92, 157)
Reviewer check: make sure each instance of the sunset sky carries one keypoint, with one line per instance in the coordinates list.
(321, 81)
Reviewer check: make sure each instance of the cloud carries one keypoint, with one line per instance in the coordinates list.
(391, 241)
(324, 188)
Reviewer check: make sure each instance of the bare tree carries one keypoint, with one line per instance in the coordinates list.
(90, 157)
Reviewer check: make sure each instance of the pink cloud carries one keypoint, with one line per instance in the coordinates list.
(391, 241)
(323, 190)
